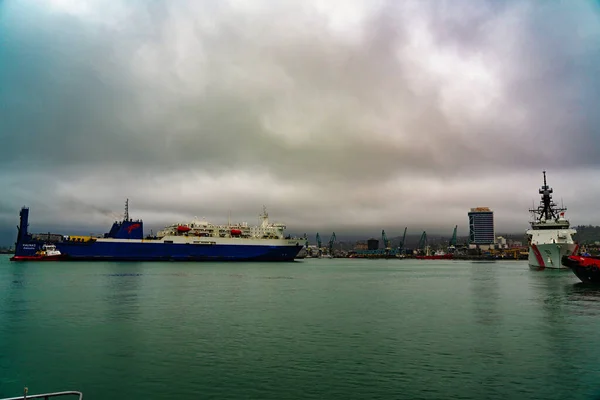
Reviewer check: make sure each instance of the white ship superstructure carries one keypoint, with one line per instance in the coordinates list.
(265, 233)
(550, 236)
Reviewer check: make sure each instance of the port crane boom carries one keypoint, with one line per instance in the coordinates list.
(331, 242)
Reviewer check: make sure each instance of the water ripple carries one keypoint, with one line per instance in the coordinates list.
(334, 329)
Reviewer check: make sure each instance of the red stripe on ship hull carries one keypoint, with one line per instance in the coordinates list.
(538, 256)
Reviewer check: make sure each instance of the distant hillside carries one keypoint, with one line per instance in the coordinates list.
(433, 240)
(8, 236)
(587, 234)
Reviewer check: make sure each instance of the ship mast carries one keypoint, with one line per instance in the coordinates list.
(546, 193)
(265, 217)
(547, 208)
(127, 210)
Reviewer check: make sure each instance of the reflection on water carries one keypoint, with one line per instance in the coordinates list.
(15, 303)
(13, 312)
(583, 292)
(561, 300)
(484, 291)
(122, 291)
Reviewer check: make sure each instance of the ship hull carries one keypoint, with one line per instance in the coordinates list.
(436, 257)
(549, 255)
(58, 257)
(132, 250)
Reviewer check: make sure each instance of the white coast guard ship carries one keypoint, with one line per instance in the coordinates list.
(550, 237)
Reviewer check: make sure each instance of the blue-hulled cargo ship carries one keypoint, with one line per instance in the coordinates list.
(197, 240)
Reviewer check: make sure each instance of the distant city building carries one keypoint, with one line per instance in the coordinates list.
(372, 244)
(360, 246)
(501, 242)
(481, 226)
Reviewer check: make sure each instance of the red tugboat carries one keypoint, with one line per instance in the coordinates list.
(47, 253)
(439, 254)
(436, 256)
(586, 267)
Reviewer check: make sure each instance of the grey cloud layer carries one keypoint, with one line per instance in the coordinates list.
(344, 121)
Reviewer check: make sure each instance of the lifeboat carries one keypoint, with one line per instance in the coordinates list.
(236, 232)
(183, 228)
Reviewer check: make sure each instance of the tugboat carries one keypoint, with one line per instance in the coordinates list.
(550, 237)
(585, 267)
(49, 252)
(438, 255)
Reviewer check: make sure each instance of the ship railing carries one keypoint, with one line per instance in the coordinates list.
(46, 395)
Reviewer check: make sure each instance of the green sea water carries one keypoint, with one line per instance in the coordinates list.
(311, 329)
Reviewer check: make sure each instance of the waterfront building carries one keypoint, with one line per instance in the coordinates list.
(481, 226)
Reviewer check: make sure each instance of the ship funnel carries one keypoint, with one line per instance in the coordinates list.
(23, 225)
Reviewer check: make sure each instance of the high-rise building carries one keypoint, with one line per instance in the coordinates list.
(481, 226)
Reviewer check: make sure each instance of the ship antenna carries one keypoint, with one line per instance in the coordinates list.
(265, 217)
(545, 178)
(127, 210)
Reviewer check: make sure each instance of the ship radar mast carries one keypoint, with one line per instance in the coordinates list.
(265, 217)
(127, 210)
(547, 209)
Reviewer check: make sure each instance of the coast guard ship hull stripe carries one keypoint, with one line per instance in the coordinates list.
(549, 255)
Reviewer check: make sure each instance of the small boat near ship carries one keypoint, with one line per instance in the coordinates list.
(438, 255)
(47, 253)
(550, 237)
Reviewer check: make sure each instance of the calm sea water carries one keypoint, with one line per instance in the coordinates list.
(312, 329)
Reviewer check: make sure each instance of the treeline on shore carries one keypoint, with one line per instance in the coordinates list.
(587, 234)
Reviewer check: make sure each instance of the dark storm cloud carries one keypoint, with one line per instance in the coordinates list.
(358, 114)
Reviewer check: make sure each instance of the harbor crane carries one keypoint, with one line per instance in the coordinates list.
(385, 241)
(401, 247)
(319, 244)
(453, 240)
(331, 242)
(387, 246)
(452, 243)
(422, 242)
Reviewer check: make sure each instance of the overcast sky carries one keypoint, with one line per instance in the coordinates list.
(348, 115)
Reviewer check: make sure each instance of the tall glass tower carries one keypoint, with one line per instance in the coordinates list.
(481, 226)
